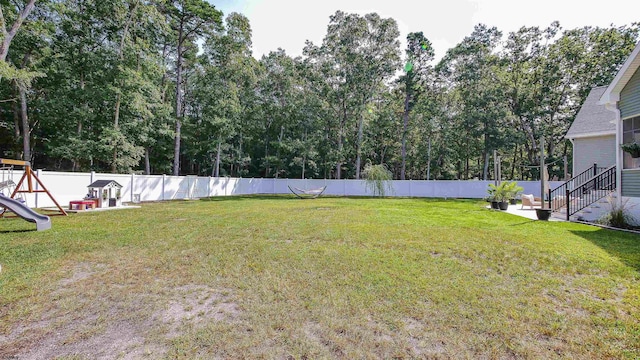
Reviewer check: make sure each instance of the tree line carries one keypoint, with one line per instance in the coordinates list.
(171, 86)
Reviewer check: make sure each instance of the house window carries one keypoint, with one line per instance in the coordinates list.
(630, 133)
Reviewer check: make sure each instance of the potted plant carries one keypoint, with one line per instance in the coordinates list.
(632, 148)
(513, 190)
(500, 194)
(492, 197)
(494, 203)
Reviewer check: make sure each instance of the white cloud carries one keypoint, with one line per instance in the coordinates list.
(288, 23)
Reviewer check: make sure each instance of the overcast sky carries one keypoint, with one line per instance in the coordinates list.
(288, 23)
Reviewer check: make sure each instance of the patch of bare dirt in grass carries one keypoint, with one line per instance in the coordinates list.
(196, 305)
(89, 318)
(378, 339)
(421, 342)
(122, 340)
(81, 272)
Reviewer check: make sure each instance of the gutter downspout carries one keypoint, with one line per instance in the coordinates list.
(573, 157)
(613, 107)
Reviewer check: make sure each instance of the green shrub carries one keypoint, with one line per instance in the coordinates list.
(378, 179)
(618, 216)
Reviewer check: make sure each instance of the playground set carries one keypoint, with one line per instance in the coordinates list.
(15, 202)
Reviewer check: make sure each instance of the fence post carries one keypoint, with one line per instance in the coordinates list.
(164, 178)
(131, 187)
(188, 187)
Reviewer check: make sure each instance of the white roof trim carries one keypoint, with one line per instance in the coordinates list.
(590, 135)
(612, 94)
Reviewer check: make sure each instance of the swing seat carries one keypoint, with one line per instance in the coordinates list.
(307, 194)
(6, 184)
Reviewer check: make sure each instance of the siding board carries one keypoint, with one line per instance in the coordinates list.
(630, 97)
(599, 150)
(631, 183)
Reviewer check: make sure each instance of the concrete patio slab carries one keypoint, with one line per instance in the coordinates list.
(526, 212)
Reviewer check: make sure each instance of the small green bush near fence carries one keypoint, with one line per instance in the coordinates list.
(273, 277)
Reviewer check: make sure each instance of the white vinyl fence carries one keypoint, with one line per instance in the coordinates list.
(65, 186)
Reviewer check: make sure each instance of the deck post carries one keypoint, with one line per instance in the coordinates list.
(568, 201)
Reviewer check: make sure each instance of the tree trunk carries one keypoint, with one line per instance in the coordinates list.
(466, 167)
(429, 160)
(277, 173)
(76, 161)
(342, 124)
(339, 164)
(163, 81)
(26, 128)
(405, 124)
(114, 158)
(178, 106)
(7, 36)
(16, 114)
(359, 146)
(176, 149)
(240, 144)
(116, 116)
(217, 168)
(147, 162)
(531, 151)
(304, 155)
(266, 149)
(485, 169)
(513, 165)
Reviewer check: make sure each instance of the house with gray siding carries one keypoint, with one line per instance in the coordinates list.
(593, 134)
(622, 98)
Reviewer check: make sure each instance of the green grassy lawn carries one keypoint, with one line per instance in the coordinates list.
(274, 277)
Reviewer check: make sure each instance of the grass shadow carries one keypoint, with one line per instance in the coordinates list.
(622, 245)
(326, 196)
(17, 231)
(249, 197)
(524, 223)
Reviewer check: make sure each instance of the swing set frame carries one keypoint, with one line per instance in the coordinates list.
(30, 178)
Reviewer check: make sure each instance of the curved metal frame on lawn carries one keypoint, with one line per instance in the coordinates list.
(307, 194)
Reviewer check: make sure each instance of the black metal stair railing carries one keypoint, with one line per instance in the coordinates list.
(591, 191)
(556, 196)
